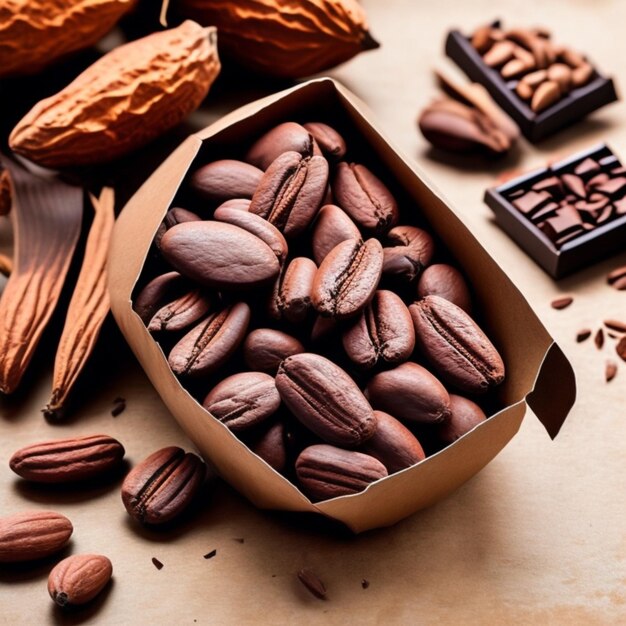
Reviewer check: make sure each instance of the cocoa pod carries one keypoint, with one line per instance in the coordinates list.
(285, 38)
(33, 535)
(79, 578)
(131, 95)
(35, 33)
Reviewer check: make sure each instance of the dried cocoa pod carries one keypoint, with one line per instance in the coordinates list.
(163, 485)
(410, 393)
(326, 472)
(213, 341)
(257, 226)
(128, 97)
(382, 332)
(332, 226)
(35, 33)
(347, 278)
(243, 400)
(286, 137)
(265, 348)
(219, 255)
(285, 38)
(79, 578)
(225, 179)
(413, 250)
(364, 197)
(328, 139)
(291, 296)
(68, 460)
(446, 282)
(181, 313)
(33, 535)
(464, 415)
(291, 191)
(393, 444)
(325, 399)
(455, 346)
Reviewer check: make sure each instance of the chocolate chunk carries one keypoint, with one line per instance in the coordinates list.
(599, 339)
(544, 213)
(583, 334)
(575, 184)
(605, 215)
(157, 563)
(591, 211)
(598, 179)
(552, 185)
(620, 348)
(587, 168)
(620, 206)
(610, 370)
(619, 171)
(210, 555)
(566, 222)
(531, 202)
(615, 188)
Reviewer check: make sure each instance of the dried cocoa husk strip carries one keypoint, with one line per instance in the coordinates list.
(46, 217)
(88, 307)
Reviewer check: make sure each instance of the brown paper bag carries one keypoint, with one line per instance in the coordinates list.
(537, 372)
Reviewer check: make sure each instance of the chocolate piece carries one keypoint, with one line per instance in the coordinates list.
(614, 188)
(598, 179)
(620, 206)
(561, 303)
(552, 185)
(587, 168)
(566, 222)
(548, 211)
(575, 184)
(583, 334)
(610, 370)
(532, 201)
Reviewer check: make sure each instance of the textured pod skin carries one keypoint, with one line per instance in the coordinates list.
(326, 472)
(124, 100)
(265, 348)
(68, 460)
(393, 444)
(162, 486)
(455, 346)
(286, 38)
(243, 400)
(211, 342)
(410, 393)
(325, 399)
(32, 535)
(79, 578)
(35, 33)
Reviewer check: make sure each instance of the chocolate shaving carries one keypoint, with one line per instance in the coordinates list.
(583, 334)
(312, 583)
(561, 303)
(119, 408)
(620, 348)
(616, 325)
(599, 339)
(365, 583)
(610, 370)
(210, 555)
(157, 563)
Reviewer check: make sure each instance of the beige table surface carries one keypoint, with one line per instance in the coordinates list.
(538, 537)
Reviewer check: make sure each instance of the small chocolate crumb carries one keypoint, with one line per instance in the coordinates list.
(312, 583)
(620, 348)
(583, 334)
(561, 303)
(210, 555)
(610, 370)
(599, 339)
(613, 335)
(616, 325)
(365, 583)
(157, 563)
(238, 539)
(120, 407)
